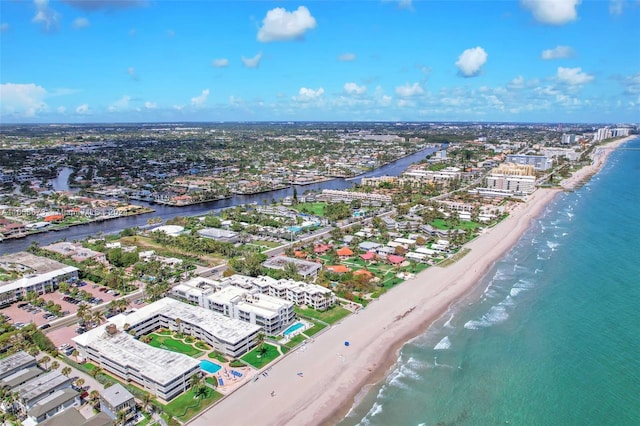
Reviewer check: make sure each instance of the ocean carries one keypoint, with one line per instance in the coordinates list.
(550, 336)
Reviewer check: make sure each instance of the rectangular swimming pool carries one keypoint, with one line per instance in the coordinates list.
(293, 328)
(209, 367)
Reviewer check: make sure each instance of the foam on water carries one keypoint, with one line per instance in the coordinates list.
(448, 323)
(552, 245)
(443, 344)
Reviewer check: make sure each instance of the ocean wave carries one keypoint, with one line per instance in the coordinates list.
(496, 314)
(443, 344)
(448, 323)
(516, 291)
(552, 245)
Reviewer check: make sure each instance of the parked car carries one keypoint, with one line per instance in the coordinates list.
(44, 326)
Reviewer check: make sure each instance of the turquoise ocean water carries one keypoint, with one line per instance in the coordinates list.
(551, 336)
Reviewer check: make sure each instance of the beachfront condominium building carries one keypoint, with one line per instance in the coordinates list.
(240, 300)
(512, 179)
(608, 133)
(539, 162)
(164, 373)
(447, 174)
(568, 139)
(37, 274)
(298, 292)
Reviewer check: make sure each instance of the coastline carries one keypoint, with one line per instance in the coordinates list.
(335, 375)
(598, 159)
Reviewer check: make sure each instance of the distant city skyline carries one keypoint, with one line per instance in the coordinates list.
(76, 61)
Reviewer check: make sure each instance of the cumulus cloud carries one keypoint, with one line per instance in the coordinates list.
(409, 90)
(616, 7)
(573, 76)
(354, 89)
(94, 5)
(471, 61)
(45, 15)
(553, 12)
(82, 109)
(347, 57)
(252, 62)
(308, 95)
(220, 63)
(558, 52)
(120, 105)
(200, 100)
(516, 83)
(150, 105)
(24, 100)
(405, 4)
(4, 27)
(280, 25)
(80, 23)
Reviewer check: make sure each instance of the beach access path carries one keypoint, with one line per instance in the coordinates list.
(317, 384)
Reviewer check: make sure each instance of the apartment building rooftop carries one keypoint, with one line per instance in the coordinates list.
(40, 385)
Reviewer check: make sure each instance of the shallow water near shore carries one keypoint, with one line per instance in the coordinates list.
(551, 334)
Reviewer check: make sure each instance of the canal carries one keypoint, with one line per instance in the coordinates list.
(168, 212)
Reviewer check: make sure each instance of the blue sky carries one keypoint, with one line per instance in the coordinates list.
(134, 61)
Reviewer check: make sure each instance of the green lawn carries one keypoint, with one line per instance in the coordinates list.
(442, 224)
(316, 209)
(217, 356)
(166, 342)
(295, 341)
(258, 360)
(202, 345)
(329, 316)
(315, 329)
(185, 406)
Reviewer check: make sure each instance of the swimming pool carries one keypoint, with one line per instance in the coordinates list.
(209, 367)
(293, 328)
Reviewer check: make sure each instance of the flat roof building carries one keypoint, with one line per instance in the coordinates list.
(53, 404)
(116, 398)
(16, 362)
(39, 387)
(163, 373)
(304, 267)
(39, 274)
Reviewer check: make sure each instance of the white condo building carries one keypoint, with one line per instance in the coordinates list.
(236, 299)
(166, 374)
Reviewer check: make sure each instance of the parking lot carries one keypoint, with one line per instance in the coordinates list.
(27, 313)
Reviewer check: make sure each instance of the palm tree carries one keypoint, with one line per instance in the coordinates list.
(45, 360)
(260, 342)
(55, 365)
(179, 323)
(196, 380)
(82, 312)
(121, 417)
(98, 317)
(80, 382)
(94, 372)
(94, 396)
(66, 371)
(75, 354)
(145, 400)
(33, 351)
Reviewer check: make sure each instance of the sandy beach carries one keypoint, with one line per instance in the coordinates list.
(598, 159)
(318, 383)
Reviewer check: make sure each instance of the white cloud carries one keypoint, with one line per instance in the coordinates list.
(132, 72)
(381, 98)
(616, 7)
(558, 52)
(80, 23)
(82, 109)
(347, 57)
(252, 62)
(150, 105)
(4, 27)
(517, 83)
(573, 76)
(553, 12)
(308, 95)
(24, 100)
(409, 90)
(220, 63)
(471, 60)
(405, 4)
(178, 107)
(200, 100)
(45, 15)
(120, 105)
(354, 89)
(280, 25)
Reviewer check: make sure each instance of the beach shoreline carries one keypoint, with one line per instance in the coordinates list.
(318, 383)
